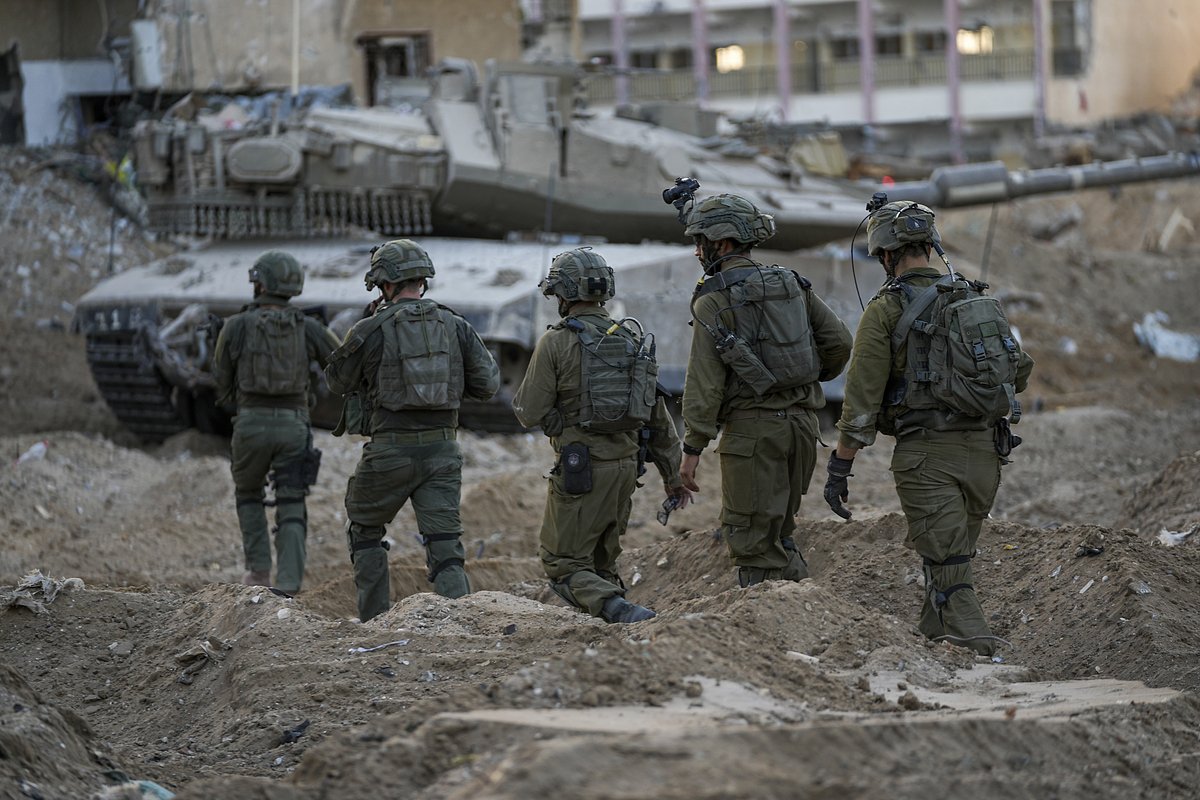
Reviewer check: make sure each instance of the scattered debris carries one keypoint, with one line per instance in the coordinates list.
(397, 643)
(35, 453)
(294, 734)
(1152, 334)
(198, 657)
(35, 591)
(1171, 538)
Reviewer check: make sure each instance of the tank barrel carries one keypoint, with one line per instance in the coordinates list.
(991, 182)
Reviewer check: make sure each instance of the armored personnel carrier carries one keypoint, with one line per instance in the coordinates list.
(482, 158)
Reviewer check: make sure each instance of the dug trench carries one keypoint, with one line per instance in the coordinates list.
(158, 665)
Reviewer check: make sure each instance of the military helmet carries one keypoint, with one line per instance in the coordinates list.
(397, 261)
(279, 273)
(580, 274)
(900, 223)
(729, 216)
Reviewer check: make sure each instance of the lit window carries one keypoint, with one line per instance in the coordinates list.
(730, 59)
(974, 42)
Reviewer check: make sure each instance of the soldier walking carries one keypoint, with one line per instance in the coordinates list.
(405, 370)
(761, 342)
(591, 387)
(261, 366)
(947, 402)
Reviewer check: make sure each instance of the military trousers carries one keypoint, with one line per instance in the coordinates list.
(266, 439)
(947, 482)
(767, 461)
(581, 534)
(424, 467)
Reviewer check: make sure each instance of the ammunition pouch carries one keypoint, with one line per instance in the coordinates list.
(299, 474)
(575, 460)
(356, 416)
(736, 353)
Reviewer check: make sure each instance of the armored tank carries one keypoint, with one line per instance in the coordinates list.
(480, 158)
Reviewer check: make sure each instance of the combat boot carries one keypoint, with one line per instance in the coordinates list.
(618, 609)
(749, 576)
(452, 582)
(257, 577)
(797, 567)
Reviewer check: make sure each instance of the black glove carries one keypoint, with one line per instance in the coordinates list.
(837, 489)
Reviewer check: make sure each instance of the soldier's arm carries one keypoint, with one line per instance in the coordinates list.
(831, 336)
(1024, 369)
(344, 367)
(664, 445)
(538, 392)
(320, 340)
(223, 366)
(870, 367)
(481, 372)
(704, 387)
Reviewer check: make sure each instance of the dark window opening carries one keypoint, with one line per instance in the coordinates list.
(396, 66)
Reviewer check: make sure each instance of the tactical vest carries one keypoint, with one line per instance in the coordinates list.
(771, 346)
(962, 356)
(422, 365)
(617, 377)
(274, 355)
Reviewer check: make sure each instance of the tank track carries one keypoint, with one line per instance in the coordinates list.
(132, 386)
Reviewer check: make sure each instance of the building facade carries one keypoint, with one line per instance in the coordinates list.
(886, 62)
(79, 56)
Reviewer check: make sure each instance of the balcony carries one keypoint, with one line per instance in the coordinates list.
(830, 77)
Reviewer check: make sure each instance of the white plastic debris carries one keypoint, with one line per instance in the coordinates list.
(1087, 586)
(34, 453)
(1171, 538)
(283, 613)
(796, 655)
(1152, 333)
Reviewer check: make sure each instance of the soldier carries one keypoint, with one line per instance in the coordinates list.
(591, 387)
(405, 371)
(261, 365)
(949, 448)
(762, 341)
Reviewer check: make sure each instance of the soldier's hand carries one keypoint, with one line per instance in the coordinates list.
(687, 471)
(837, 491)
(371, 307)
(681, 495)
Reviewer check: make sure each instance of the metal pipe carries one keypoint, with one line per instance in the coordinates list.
(866, 70)
(700, 50)
(1039, 69)
(952, 88)
(620, 53)
(783, 58)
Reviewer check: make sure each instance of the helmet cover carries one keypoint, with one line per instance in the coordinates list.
(279, 273)
(580, 275)
(397, 261)
(900, 223)
(730, 216)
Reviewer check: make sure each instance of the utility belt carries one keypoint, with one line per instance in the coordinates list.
(416, 437)
(766, 413)
(271, 411)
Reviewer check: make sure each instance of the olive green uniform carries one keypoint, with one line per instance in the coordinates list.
(413, 453)
(946, 473)
(768, 444)
(581, 533)
(270, 433)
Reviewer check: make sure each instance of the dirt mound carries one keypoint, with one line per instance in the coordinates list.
(1169, 503)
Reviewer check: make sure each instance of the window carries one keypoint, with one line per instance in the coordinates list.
(889, 44)
(843, 49)
(929, 42)
(730, 59)
(975, 42)
(1066, 37)
(643, 59)
(395, 61)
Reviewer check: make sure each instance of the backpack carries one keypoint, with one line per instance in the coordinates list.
(422, 366)
(273, 359)
(962, 355)
(772, 347)
(618, 377)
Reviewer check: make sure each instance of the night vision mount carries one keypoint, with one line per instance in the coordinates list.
(679, 195)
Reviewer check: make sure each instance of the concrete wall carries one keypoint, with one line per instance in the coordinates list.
(1141, 55)
(240, 45)
(50, 89)
(58, 29)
